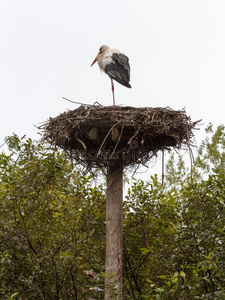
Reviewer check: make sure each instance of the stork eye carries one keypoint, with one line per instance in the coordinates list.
(100, 50)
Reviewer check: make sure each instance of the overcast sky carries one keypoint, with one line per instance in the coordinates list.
(176, 50)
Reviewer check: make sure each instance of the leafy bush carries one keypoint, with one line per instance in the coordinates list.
(175, 234)
(51, 226)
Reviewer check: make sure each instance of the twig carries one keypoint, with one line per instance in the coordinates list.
(163, 173)
(117, 142)
(76, 102)
(190, 151)
(99, 151)
(74, 285)
(82, 143)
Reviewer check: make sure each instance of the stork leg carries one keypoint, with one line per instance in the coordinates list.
(113, 92)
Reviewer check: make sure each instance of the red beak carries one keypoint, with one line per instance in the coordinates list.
(95, 60)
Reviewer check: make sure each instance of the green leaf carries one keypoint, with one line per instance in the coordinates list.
(182, 274)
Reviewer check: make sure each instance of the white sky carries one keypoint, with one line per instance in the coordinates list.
(176, 50)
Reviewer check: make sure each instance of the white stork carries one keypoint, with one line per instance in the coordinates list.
(115, 64)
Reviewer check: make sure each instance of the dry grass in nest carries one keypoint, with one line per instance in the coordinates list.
(96, 136)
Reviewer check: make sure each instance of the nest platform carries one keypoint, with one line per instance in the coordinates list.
(96, 136)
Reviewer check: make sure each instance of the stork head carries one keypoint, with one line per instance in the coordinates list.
(102, 49)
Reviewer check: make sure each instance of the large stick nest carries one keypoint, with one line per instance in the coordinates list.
(96, 136)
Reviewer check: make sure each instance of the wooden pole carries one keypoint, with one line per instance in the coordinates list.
(114, 233)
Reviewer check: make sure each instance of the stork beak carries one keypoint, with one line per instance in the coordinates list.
(96, 58)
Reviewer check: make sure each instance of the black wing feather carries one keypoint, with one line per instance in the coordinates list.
(119, 69)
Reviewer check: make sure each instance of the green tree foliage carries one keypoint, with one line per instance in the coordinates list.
(179, 229)
(52, 227)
